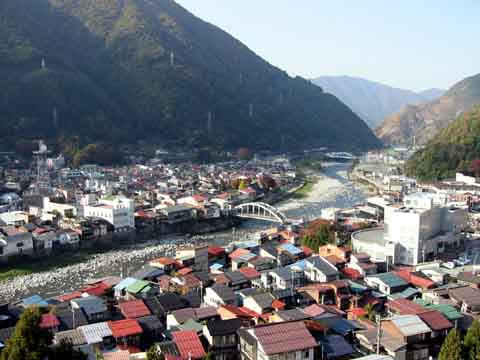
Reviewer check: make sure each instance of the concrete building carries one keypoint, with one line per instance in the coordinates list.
(117, 210)
(15, 241)
(413, 233)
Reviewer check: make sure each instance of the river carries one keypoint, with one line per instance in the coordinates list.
(333, 190)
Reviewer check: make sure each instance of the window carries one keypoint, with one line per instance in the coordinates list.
(306, 354)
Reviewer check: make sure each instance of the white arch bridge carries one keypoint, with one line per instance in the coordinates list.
(260, 211)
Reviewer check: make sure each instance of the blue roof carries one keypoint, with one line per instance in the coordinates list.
(292, 249)
(343, 327)
(216, 266)
(335, 346)
(391, 279)
(300, 265)
(34, 300)
(405, 294)
(124, 283)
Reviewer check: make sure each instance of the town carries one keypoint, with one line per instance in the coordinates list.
(385, 279)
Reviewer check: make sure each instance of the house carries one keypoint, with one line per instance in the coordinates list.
(68, 238)
(15, 241)
(288, 315)
(282, 278)
(152, 329)
(219, 294)
(126, 332)
(189, 345)
(134, 309)
(98, 335)
(467, 298)
(411, 331)
(317, 269)
(141, 289)
(335, 346)
(165, 263)
(222, 338)
(237, 280)
(417, 279)
(387, 283)
(438, 324)
(178, 213)
(361, 263)
(76, 338)
(260, 303)
(120, 290)
(117, 210)
(290, 340)
(94, 308)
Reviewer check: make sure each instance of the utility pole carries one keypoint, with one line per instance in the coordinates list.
(378, 320)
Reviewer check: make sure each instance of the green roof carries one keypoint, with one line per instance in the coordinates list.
(391, 279)
(191, 324)
(146, 289)
(137, 286)
(449, 311)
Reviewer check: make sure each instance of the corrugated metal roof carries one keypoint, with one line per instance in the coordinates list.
(137, 286)
(292, 249)
(134, 309)
(123, 328)
(410, 325)
(74, 337)
(124, 283)
(435, 320)
(95, 333)
(188, 344)
(390, 279)
(284, 337)
(335, 346)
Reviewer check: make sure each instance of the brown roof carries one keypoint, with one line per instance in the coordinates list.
(284, 337)
(435, 320)
(466, 294)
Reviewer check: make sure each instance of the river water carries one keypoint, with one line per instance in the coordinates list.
(333, 190)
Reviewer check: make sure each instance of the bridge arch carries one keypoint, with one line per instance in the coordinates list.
(260, 211)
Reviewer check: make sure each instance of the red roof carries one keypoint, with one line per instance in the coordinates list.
(435, 320)
(134, 309)
(97, 289)
(351, 273)
(405, 307)
(165, 261)
(415, 280)
(278, 305)
(250, 273)
(188, 344)
(49, 321)
(238, 312)
(69, 296)
(185, 271)
(307, 251)
(117, 355)
(215, 250)
(358, 312)
(314, 310)
(238, 252)
(123, 328)
(284, 337)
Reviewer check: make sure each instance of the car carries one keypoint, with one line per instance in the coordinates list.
(462, 261)
(449, 265)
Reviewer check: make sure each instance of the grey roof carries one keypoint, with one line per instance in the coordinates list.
(322, 265)
(65, 316)
(263, 300)
(410, 325)
(95, 333)
(292, 314)
(91, 305)
(235, 276)
(150, 323)
(224, 327)
(148, 271)
(223, 291)
(74, 337)
(283, 273)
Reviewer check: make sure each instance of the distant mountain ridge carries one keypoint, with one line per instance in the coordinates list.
(370, 100)
(121, 71)
(422, 122)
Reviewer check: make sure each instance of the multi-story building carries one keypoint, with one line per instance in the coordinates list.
(413, 233)
(118, 211)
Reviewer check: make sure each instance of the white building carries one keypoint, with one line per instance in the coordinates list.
(414, 233)
(117, 210)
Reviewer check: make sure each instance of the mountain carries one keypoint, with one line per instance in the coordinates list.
(121, 71)
(425, 120)
(372, 101)
(454, 148)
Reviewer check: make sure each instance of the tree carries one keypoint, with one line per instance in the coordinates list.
(371, 313)
(451, 347)
(471, 342)
(242, 185)
(154, 354)
(29, 341)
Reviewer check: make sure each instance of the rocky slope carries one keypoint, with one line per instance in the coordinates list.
(422, 122)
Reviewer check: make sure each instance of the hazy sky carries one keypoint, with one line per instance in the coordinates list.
(412, 44)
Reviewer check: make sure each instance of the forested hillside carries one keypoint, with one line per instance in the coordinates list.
(119, 71)
(456, 148)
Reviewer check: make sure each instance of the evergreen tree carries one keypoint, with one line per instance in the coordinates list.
(451, 347)
(471, 342)
(209, 356)
(29, 341)
(65, 350)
